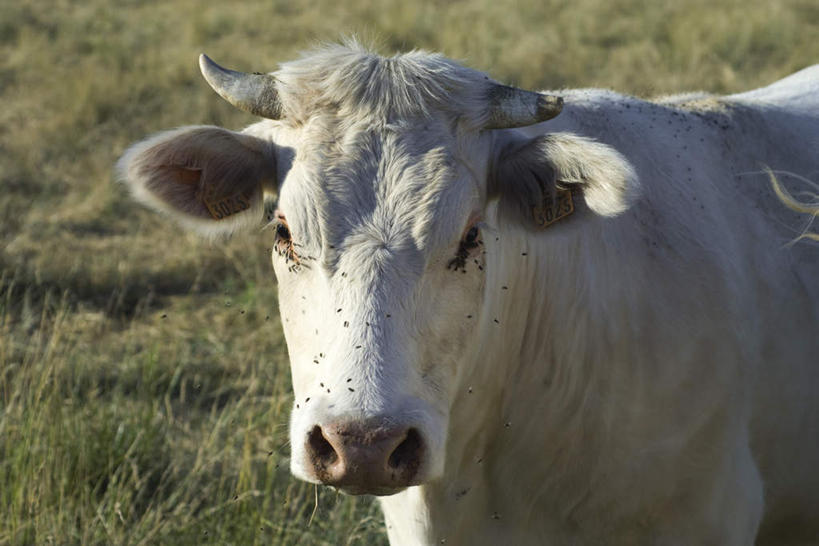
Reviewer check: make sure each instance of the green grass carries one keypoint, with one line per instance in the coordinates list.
(144, 384)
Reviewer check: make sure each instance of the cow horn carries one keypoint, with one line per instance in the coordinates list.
(511, 107)
(254, 93)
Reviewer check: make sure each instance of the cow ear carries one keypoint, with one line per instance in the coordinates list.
(209, 179)
(540, 179)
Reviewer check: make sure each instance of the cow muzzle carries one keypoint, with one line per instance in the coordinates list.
(371, 458)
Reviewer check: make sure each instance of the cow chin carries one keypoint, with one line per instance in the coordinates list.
(377, 492)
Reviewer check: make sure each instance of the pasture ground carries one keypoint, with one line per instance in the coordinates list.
(144, 384)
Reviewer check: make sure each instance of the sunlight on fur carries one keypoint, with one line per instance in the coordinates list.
(809, 206)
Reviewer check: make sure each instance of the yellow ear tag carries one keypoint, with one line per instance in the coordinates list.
(552, 210)
(226, 206)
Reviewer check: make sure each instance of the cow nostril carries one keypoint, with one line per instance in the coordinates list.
(321, 450)
(408, 452)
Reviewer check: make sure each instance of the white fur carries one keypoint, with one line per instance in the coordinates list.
(647, 375)
(608, 179)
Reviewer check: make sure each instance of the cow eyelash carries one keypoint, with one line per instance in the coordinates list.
(284, 245)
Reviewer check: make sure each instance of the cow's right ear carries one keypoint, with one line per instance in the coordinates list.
(209, 179)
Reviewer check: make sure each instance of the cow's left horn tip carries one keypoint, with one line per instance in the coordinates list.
(205, 64)
(255, 93)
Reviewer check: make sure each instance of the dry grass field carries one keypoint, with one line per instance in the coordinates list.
(144, 383)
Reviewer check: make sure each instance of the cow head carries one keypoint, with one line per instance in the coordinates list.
(383, 171)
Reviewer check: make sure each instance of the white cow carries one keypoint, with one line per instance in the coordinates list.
(492, 326)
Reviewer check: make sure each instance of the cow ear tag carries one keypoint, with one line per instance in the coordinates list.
(554, 207)
(219, 207)
(222, 207)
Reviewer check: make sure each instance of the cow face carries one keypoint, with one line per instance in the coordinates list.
(378, 254)
(382, 186)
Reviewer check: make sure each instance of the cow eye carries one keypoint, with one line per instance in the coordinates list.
(284, 245)
(470, 241)
(282, 231)
(471, 236)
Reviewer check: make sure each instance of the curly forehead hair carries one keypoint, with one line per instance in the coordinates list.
(352, 81)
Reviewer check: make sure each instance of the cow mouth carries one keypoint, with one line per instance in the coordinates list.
(380, 491)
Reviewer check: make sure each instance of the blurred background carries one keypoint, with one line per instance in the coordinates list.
(144, 382)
